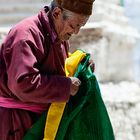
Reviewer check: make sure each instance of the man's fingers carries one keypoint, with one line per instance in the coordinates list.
(75, 83)
(92, 65)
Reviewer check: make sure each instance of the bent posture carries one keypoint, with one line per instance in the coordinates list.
(32, 58)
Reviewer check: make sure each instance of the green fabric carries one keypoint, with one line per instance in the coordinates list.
(36, 132)
(85, 116)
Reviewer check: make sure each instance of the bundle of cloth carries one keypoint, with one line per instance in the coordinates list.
(84, 117)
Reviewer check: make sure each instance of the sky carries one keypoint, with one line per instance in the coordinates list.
(132, 10)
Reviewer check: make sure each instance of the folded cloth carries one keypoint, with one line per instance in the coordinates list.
(85, 116)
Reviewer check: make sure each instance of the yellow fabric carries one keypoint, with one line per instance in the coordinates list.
(53, 119)
(56, 109)
(73, 61)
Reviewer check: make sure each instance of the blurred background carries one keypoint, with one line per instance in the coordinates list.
(112, 38)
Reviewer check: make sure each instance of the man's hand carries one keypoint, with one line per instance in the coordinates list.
(75, 83)
(92, 65)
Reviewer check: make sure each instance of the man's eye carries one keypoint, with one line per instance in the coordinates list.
(71, 26)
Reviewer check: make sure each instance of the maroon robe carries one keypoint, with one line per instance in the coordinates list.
(32, 71)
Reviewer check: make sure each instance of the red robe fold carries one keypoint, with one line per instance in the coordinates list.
(32, 71)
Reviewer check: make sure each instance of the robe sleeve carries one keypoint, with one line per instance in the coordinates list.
(27, 83)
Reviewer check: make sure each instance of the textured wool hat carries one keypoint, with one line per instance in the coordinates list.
(77, 6)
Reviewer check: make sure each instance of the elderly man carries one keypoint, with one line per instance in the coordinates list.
(32, 61)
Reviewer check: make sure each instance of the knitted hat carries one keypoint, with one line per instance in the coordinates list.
(77, 6)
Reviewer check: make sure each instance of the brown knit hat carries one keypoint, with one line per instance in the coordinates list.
(77, 6)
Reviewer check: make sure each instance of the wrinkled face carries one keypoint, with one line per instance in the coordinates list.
(66, 27)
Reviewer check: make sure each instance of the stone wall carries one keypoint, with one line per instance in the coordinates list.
(111, 50)
(3, 32)
(12, 11)
(110, 40)
(123, 104)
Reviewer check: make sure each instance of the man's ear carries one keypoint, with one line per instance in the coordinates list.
(56, 13)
